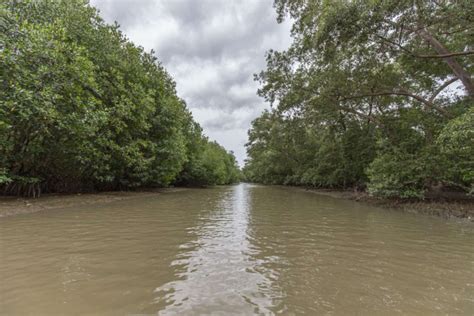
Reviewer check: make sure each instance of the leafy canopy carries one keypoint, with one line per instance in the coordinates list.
(369, 95)
(83, 108)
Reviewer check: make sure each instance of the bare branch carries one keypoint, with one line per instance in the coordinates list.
(466, 53)
(396, 44)
(442, 87)
(400, 92)
(457, 69)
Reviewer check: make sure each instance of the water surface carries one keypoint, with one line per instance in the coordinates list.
(241, 249)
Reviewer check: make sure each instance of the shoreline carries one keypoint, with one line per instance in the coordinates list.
(447, 209)
(13, 205)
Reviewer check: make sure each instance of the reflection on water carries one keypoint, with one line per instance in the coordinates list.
(217, 272)
(242, 249)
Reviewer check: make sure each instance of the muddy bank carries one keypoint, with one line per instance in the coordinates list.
(13, 205)
(9, 206)
(462, 208)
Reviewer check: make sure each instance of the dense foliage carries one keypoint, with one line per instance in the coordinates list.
(83, 108)
(375, 95)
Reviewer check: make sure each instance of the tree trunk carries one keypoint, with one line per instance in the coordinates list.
(457, 69)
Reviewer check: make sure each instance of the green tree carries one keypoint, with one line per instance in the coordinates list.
(375, 82)
(83, 108)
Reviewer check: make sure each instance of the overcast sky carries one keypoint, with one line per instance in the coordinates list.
(212, 48)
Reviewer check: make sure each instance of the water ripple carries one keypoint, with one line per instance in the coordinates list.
(235, 250)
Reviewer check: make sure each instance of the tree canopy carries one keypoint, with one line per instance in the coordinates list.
(371, 94)
(83, 108)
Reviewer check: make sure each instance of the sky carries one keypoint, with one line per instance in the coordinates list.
(212, 49)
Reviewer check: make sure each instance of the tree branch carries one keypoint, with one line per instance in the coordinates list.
(442, 87)
(446, 55)
(395, 44)
(362, 115)
(400, 92)
(457, 69)
(466, 53)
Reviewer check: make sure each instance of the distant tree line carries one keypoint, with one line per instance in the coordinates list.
(375, 95)
(83, 108)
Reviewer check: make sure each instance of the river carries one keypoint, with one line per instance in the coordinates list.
(243, 249)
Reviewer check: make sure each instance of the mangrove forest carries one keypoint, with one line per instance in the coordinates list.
(82, 108)
(371, 95)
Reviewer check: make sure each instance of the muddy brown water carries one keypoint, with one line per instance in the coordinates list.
(243, 249)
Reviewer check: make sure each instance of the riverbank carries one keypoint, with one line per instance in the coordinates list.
(445, 208)
(14, 205)
(463, 209)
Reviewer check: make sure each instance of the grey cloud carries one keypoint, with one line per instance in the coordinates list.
(231, 121)
(123, 11)
(237, 35)
(191, 12)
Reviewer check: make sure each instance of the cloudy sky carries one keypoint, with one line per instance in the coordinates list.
(212, 48)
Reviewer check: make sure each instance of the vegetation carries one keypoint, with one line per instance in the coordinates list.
(374, 95)
(83, 108)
